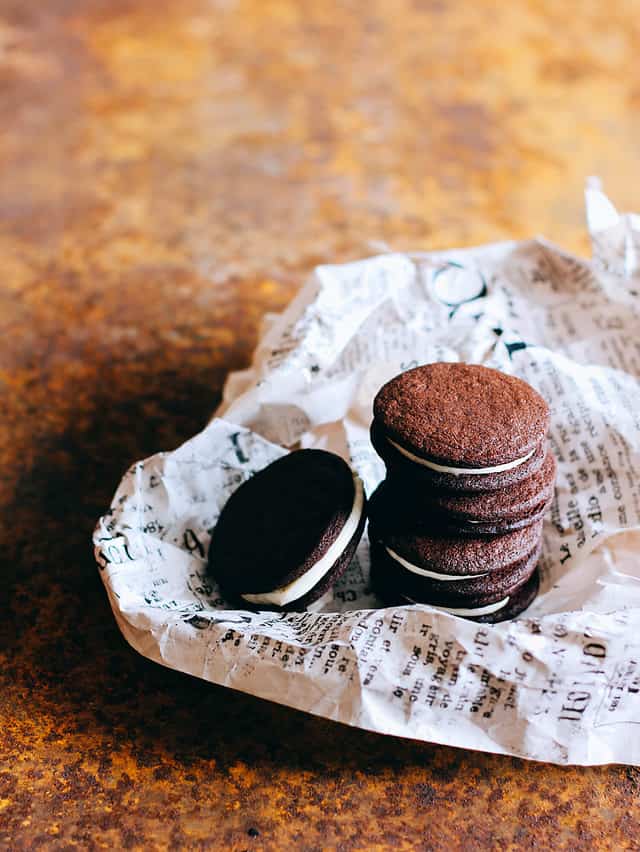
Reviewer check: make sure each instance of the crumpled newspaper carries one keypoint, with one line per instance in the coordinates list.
(561, 683)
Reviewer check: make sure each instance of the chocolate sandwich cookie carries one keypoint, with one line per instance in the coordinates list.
(390, 570)
(287, 534)
(460, 427)
(428, 540)
(432, 555)
(499, 511)
(509, 607)
(469, 513)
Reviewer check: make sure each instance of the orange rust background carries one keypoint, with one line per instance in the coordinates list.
(169, 172)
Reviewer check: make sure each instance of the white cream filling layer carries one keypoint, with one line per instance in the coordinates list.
(479, 610)
(433, 575)
(461, 471)
(303, 584)
(464, 611)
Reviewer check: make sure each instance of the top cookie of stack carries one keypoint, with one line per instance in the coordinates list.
(466, 453)
(460, 426)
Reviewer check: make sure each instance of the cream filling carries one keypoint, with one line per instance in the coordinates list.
(433, 575)
(479, 610)
(303, 584)
(461, 471)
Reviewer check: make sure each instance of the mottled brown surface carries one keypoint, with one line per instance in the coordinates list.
(169, 172)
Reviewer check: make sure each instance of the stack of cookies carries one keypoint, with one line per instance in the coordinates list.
(457, 523)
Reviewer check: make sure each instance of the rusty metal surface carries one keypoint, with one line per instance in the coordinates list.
(169, 172)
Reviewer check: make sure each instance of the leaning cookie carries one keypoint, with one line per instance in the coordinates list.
(460, 426)
(288, 533)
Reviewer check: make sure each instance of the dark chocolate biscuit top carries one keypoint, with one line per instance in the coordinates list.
(280, 522)
(462, 414)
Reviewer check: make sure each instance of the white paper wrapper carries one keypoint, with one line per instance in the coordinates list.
(560, 684)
